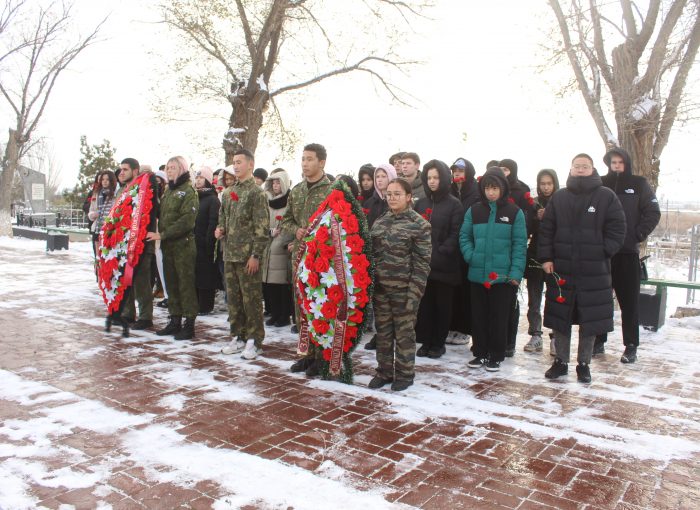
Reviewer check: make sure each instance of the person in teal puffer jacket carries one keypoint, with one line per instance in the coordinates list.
(493, 240)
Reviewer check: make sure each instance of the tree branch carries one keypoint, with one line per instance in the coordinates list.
(358, 66)
(250, 43)
(628, 17)
(676, 92)
(599, 44)
(658, 52)
(592, 102)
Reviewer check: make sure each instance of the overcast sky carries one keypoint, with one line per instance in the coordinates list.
(479, 95)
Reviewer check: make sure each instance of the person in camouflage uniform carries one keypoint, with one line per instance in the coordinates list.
(178, 212)
(141, 289)
(402, 248)
(244, 225)
(303, 202)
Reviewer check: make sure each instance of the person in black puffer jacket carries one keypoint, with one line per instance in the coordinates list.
(445, 214)
(547, 185)
(207, 276)
(520, 196)
(582, 228)
(466, 189)
(642, 215)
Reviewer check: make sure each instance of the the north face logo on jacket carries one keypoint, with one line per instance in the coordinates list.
(505, 219)
(630, 191)
(591, 209)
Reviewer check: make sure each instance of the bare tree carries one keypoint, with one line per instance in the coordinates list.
(249, 41)
(642, 79)
(37, 44)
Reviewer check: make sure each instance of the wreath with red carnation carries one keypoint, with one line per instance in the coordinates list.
(122, 240)
(333, 282)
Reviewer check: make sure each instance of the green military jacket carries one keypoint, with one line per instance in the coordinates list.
(178, 211)
(402, 248)
(245, 221)
(303, 202)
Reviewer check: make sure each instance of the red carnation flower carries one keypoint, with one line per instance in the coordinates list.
(320, 326)
(527, 195)
(487, 285)
(351, 225)
(311, 248)
(459, 178)
(327, 354)
(366, 211)
(478, 179)
(355, 243)
(329, 310)
(347, 345)
(278, 217)
(361, 279)
(351, 332)
(356, 317)
(313, 280)
(560, 299)
(234, 196)
(219, 189)
(561, 281)
(359, 262)
(510, 199)
(493, 275)
(361, 299)
(322, 235)
(327, 250)
(321, 265)
(342, 208)
(360, 198)
(309, 262)
(428, 211)
(530, 201)
(335, 294)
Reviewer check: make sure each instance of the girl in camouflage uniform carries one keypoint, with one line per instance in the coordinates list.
(401, 245)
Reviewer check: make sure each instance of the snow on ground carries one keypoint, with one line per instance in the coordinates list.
(444, 388)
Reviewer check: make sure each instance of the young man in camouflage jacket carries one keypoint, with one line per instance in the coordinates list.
(244, 225)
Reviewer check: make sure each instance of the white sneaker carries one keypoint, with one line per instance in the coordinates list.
(251, 352)
(235, 346)
(534, 345)
(552, 347)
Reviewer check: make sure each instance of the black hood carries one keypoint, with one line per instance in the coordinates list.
(179, 181)
(584, 184)
(503, 184)
(445, 179)
(469, 170)
(366, 169)
(513, 167)
(547, 171)
(625, 157)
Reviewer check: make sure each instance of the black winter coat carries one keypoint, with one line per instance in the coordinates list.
(376, 207)
(583, 226)
(207, 274)
(638, 201)
(445, 222)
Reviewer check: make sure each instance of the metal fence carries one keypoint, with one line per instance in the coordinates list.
(67, 217)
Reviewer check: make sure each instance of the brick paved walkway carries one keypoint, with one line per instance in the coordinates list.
(91, 420)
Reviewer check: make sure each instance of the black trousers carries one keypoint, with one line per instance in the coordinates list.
(205, 297)
(278, 298)
(491, 309)
(435, 314)
(513, 320)
(461, 304)
(625, 280)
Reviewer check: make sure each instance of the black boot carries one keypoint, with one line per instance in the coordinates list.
(125, 328)
(173, 327)
(108, 323)
(187, 332)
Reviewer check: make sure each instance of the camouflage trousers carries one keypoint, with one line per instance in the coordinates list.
(245, 302)
(396, 336)
(141, 291)
(178, 269)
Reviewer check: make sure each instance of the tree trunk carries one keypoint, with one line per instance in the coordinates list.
(245, 122)
(10, 162)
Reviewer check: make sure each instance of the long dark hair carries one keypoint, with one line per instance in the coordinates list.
(112, 181)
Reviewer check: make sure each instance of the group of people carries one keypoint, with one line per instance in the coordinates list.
(450, 251)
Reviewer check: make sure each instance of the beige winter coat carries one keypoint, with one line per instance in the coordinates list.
(276, 265)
